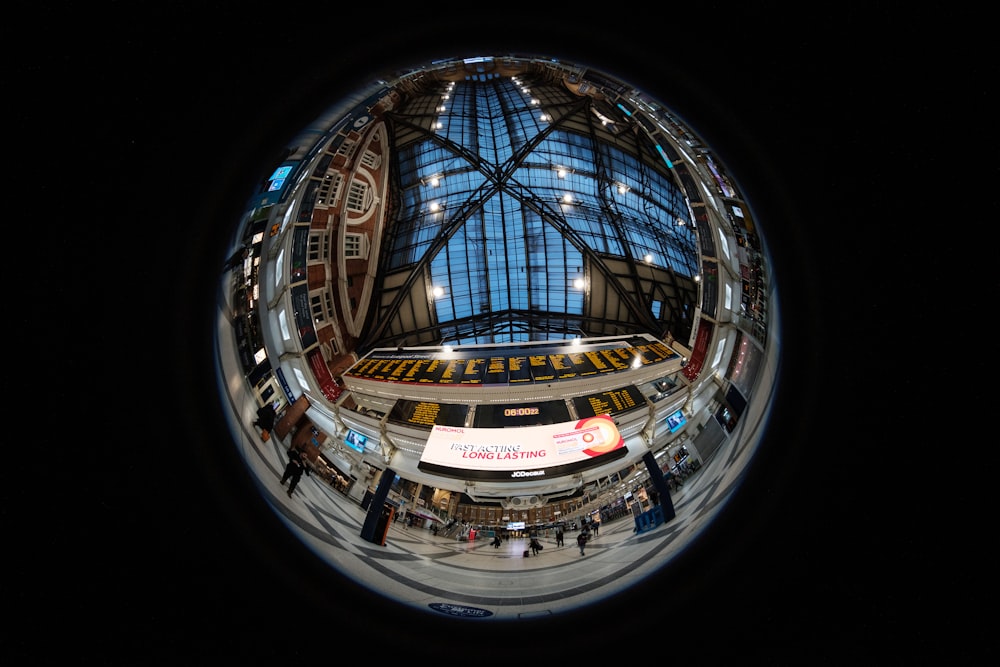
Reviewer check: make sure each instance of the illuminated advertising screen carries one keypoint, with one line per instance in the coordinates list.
(676, 420)
(522, 454)
(355, 441)
(277, 179)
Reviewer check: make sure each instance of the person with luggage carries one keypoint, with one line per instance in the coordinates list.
(266, 416)
(535, 545)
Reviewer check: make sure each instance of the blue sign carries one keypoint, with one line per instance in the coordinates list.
(284, 385)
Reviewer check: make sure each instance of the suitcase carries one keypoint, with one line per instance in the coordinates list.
(527, 552)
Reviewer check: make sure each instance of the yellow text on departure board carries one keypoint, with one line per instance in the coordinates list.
(425, 413)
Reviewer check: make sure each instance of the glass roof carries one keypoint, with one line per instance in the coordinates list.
(514, 192)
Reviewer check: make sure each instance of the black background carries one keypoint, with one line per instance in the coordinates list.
(138, 133)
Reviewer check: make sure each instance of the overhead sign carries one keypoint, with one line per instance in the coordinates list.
(484, 366)
(425, 414)
(611, 402)
(489, 415)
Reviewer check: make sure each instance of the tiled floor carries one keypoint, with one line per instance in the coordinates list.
(431, 572)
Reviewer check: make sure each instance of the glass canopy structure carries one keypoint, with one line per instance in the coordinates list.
(527, 204)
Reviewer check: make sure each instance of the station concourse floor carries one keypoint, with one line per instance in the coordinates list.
(425, 571)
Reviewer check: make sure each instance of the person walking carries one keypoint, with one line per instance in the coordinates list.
(293, 471)
(559, 537)
(496, 540)
(535, 545)
(581, 541)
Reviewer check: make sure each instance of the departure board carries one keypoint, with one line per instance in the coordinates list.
(615, 359)
(610, 402)
(583, 363)
(451, 374)
(510, 365)
(426, 414)
(518, 370)
(654, 352)
(413, 369)
(473, 371)
(496, 370)
(563, 366)
(430, 371)
(541, 368)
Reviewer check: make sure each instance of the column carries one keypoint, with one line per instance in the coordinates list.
(369, 529)
(660, 484)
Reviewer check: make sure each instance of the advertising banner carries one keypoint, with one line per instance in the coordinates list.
(522, 453)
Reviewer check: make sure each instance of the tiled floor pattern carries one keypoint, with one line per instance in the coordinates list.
(423, 570)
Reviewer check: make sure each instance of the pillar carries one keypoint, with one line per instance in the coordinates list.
(660, 484)
(368, 530)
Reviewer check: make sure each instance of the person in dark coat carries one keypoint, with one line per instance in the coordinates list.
(581, 540)
(265, 417)
(293, 471)
(535, 545)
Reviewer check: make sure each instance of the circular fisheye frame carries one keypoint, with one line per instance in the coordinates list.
(482, 307)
